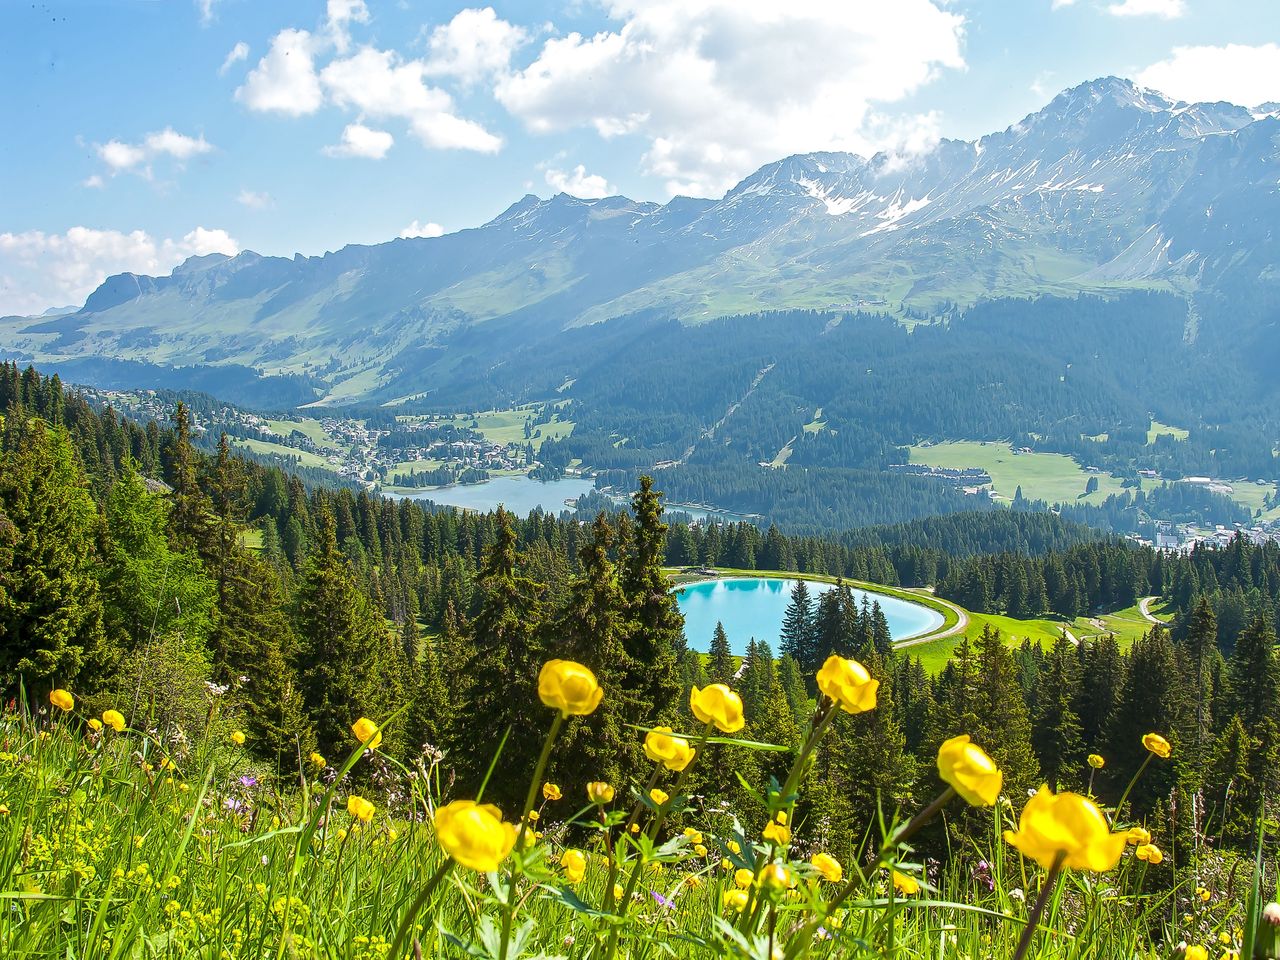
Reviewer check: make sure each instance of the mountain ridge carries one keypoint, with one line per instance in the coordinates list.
(1108, 186)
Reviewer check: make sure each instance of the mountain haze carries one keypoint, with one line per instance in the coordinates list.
(1109, 187)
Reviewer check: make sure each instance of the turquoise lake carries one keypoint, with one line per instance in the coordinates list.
(754, 606)
(520, 495)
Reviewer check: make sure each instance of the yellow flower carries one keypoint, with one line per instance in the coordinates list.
(1096, 761)
(700, 849)
(618, 891)
(732, 846)
(1068, 824)
(1157, 744)
(114, 719)
(966, 767)
(777, 876)
(62, 700)
(905, 884)
(599, 792)
(1203, 894)
(1196, 952)
(674, 753)
(95, 724)
(550, 791)
(534, 816)
(473, 834)
(744, 877)
(360, 808)
(237, 738)
(658, 796)
(1149, 853)
(4, 809)
(848, 683)
(719, 705)
(736, 900)
(693, 836)
(777, 832)
(569, 687)
(574, 863)
(828, 866)
(1137, 836)
(367, 733)
(317, 760)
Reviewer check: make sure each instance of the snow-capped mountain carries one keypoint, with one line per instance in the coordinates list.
(1109, 185)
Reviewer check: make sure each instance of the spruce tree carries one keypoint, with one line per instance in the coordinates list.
(1055, 726)
(657, 633)
(720, 663)
(797, 625)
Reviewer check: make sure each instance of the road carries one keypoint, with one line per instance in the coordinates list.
(961, 624)
(1144, 608)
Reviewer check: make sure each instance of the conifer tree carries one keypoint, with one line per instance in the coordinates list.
(797, 635)
(720, 665)
(1055, 726)
(50, 606)
(1253, 676)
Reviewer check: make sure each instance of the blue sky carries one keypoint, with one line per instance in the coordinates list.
(138, 132)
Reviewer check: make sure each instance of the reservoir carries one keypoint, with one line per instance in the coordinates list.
(754, 606)
(520, 495)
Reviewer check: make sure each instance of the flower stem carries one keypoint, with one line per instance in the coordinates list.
(397, 947)
(1125, 796)
(1050, 881)
(508, 913)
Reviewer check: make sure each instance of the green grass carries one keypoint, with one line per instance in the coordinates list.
(817, 423)
(1052, 477)
(123, 845)
(507, 426)
(308, 427)
(305, 457)
(1157, 429)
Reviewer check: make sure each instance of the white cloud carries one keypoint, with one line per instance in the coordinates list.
(1059, 4)
(417, 229)
(1235, 72)
(285, 80)
(718, 87)
(93, 181)
(39, 270)
(473, 46)
(239, 52)
(361, 141)
(120, 156)
(340, 14)
(579, 183)
(1168, 9)
(254, 201)
(206, 11)
(378, 84)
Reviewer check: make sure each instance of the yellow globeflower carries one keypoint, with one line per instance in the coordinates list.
(777, 831)
(599, 792)
(114, 719)
(1137, 836)
(574, 863)
(1067, 824)
(474, 834)
(569, 687)
(237, 738)
(828, 866)
(62, 699)
(550, 791)
(367, 733)
(1196, 952)
(736, 900)
(317, 760)
(95, 724)
(672, 752)
(1149, 853)
(360, 808)
(966, 767)
(744, 877)
(1157, 744)
(905, 884)
(848, 683)
(1096, 761)
(719, 705)
(777, 876)
(658, 796)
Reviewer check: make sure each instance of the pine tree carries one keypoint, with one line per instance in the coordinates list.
(1253, 676)
(797, 625)
(1055, 727)
(720, 665)
(50, 606)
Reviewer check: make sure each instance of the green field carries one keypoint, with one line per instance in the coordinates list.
(507, 426)
(1052, 477)
(308, 427)
(1158, 429)
(305, 458)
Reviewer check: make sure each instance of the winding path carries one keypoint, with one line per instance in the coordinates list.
(1144, 608)
(961, 624)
